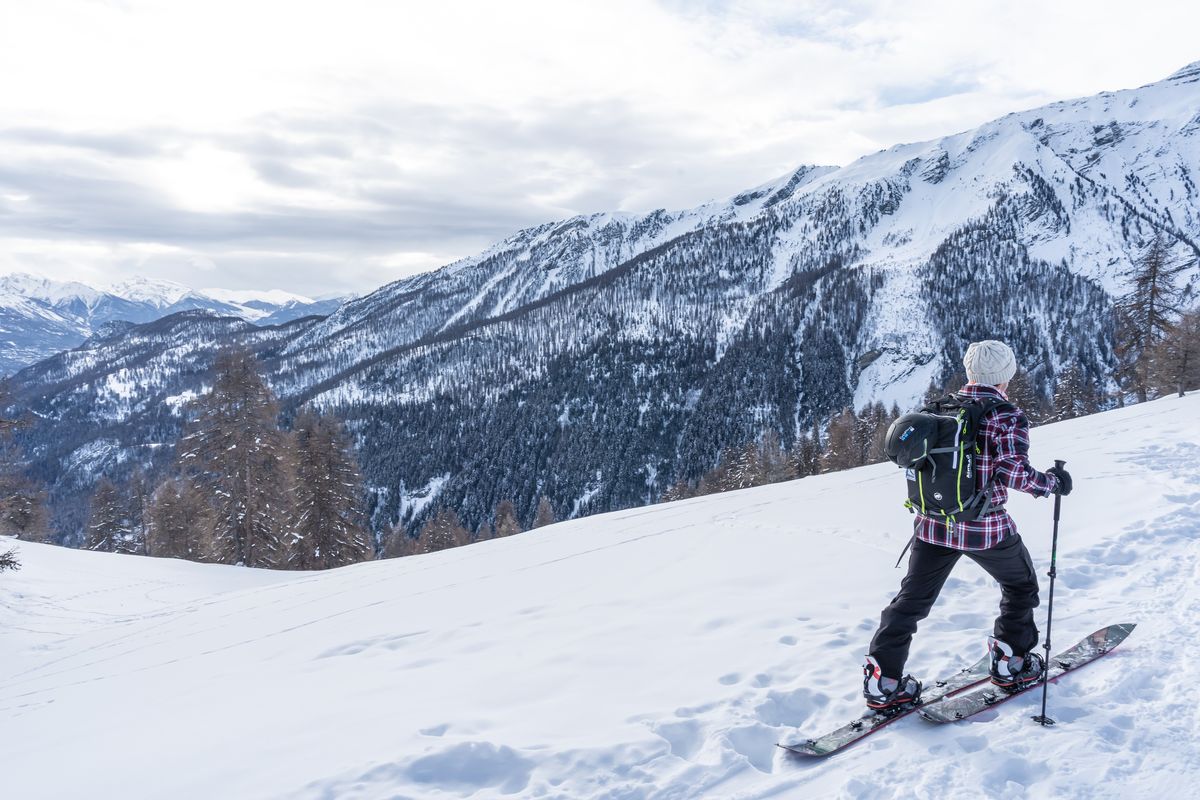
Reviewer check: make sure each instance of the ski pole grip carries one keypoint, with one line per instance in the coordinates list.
(1058, 462)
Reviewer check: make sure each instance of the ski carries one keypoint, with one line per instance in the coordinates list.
(1089, 649)
(864, 726)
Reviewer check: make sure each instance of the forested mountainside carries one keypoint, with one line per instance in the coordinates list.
(598, 360)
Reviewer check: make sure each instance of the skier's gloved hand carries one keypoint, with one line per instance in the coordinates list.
(1064, 480)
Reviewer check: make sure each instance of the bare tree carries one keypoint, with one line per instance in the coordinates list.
(841, 449)
(330, 528)
(1177, 356)
(180, 523)
(442, 532)
(545, 513)
(397, 543)
(506, 523)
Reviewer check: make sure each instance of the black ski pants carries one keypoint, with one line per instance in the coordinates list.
(928, 567)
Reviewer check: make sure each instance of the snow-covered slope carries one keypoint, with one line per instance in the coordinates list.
(654, 653)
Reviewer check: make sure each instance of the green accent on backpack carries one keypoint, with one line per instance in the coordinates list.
(937, 447)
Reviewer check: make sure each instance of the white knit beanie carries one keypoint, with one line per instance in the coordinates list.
(990, 362)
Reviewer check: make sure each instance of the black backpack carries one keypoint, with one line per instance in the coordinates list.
(937, 447)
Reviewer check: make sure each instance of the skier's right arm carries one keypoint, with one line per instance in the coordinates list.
(1012, 457)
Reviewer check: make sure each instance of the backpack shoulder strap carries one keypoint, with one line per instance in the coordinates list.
(979, 407)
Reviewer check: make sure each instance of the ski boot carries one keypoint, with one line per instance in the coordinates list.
(1013, 673)
(886, 694)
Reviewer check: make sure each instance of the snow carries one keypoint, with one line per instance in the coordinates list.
(155, 291)
(19, 285)
(657, 652)
(276, 297)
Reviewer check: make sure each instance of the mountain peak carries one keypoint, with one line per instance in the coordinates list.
(155, 291)
(1189, 74)
(46, 290)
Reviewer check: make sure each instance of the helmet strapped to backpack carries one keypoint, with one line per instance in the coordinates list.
(912, 437)
(937, 448)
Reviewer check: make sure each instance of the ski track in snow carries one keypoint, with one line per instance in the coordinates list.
(651, 654)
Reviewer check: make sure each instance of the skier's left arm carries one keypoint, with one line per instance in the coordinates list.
(1012, 457)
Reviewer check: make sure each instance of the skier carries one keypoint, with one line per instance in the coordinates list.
(991, 541)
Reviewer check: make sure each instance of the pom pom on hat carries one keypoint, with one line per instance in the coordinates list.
(990, 362)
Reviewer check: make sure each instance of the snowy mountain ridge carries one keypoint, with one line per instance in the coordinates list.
(654, 654)
(42, 316)
(683, 333)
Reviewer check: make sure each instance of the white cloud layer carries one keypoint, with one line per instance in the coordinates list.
(322, 147)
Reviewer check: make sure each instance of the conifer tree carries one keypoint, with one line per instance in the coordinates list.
(330, 524)
(235, 451)
(137, 496)
(1074, 395)
(24, 512)
(180, 524)
(1022, 394)
(506, 523)
(680, 490)
(806, 455)
(108, 523)
(815, 450)
(1145, 315)
(742, 468)
(841, 449)
(8, 560)
(1177, 360)
(442, 532)
(397, 543)
(773, 459)
(545, 513)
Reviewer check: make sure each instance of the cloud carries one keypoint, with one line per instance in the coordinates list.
(292, 147)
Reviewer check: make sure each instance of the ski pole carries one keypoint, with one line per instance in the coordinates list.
(1042, 718)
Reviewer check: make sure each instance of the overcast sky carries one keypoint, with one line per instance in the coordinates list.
(325, 147)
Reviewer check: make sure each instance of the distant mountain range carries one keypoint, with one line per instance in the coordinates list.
(598, 360)
(40, 317)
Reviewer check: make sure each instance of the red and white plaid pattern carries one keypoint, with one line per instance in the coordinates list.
(1004, 442)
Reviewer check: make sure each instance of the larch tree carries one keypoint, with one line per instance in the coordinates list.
(841, 449)
(545, 513)
(1146, 313)
(505, 519)
(235, 451)
(397, 543)
(1177, 360)
(806, 454)
(108, 528)
(180, 523)
(24, 510)
(773, 461)
(443, 532)
(330, 528)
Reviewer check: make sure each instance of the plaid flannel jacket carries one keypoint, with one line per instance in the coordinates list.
(1004, 441)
